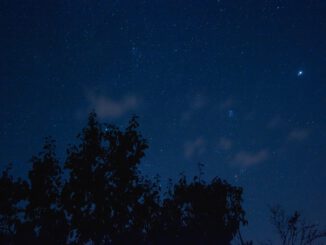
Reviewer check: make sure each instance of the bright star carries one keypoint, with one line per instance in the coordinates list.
(300, 73)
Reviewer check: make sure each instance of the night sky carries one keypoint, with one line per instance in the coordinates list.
(237, 85)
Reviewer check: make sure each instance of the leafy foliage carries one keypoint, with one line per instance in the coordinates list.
(12, 193)
(200, 213)
(106, 200)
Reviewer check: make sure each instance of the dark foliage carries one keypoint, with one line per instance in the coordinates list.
(293, 229)
(105, 199)
(12, 192)
(200, 213)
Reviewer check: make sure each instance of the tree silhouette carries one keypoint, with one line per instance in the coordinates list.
(44, 214)
(105, 199)
(12, 193)
(104, 189)
(201, 213)
(293, 229)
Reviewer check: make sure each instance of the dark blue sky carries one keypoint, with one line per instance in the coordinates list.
(237, 85)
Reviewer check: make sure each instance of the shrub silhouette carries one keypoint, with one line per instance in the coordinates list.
(11, 193)
(200, 213)
(104, 199)
(44, 215)
(293, 229)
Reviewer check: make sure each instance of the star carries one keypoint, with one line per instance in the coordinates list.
(300, 73)
(231, 114)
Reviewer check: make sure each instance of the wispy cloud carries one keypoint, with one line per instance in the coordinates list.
(106, 107)
(274, 122)
(224, 144)
(194, 148)
(246, 159)
(197, 103)
(227, 104)
(298, 134)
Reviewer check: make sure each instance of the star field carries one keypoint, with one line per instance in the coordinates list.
(236, 85)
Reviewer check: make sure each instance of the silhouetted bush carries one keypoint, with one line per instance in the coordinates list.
(293, 229)
(106, 200)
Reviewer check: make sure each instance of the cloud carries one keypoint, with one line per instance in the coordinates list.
(246, 159)
(224, 144)
(298, 134)
(194, 148)
(196, 103)
(274, 122)
(227, 104)
(106, 107)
